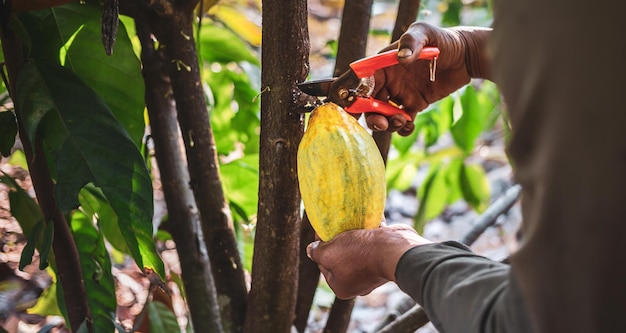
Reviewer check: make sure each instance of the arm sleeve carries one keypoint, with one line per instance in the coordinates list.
(461, 291)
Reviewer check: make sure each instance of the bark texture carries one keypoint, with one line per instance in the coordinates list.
(275, 263)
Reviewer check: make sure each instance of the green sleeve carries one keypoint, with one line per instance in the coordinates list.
(461, 291)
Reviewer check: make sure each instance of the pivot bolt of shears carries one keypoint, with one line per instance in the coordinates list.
(343, 93)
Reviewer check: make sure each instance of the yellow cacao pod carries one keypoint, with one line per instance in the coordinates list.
(341, 173)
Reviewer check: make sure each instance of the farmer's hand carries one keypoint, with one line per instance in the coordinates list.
(462, 57)
(355, 262)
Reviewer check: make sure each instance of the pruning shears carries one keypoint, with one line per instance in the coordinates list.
(353, 89)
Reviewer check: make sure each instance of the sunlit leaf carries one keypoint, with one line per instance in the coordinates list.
(234, 118)
(18, 158)
(432, 196)
(404, 143)
(162, 319)
(8, 131)
(239, 23)
(47, 304)
(96, 267)
(116, 78)
(95, 205)
(475, 186)
(453, 174)
(473, 121)
(241, 182)
(400, 172)
(89, 145)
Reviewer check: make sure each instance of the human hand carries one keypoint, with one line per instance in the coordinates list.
(408, 85)
(356, 262)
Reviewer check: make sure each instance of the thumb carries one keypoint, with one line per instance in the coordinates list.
(311, 250)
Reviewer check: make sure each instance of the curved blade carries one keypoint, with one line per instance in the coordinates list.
(316, 87)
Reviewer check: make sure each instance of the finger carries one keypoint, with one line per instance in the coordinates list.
(310, 250)
(407, 129)
(377, 122)
(396, 122)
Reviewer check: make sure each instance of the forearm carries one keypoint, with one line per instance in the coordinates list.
(461, 291)
(476, 55)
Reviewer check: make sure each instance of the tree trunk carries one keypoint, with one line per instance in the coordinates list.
(68, 269)
(184, 217)
(275, 263)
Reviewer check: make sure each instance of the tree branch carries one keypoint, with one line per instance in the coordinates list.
(276, 250)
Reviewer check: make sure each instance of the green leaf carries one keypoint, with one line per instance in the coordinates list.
(432, 196)
(473, 120)
(235, 115)
(95, 205)
(435, 121)
(475, 186)
(400, 171)
(87, 144)
(46, 245)
(23, 207)
(452, 14)
(26, 257)
(221, 45)
(404, 143)
(8, 131)
(241, 182)
(96, 267)
(162, 319)
(453, 174)
(47, 304)
(70, 34)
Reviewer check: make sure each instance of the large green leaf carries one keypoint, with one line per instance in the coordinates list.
(96, 266)
(70, 34)
(89, 145)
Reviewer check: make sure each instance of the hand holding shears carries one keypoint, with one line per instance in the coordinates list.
(353, 89)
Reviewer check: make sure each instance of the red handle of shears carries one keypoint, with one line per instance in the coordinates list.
(369, 104)
(367, 66)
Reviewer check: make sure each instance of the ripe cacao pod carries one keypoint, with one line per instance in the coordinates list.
(341, 173)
